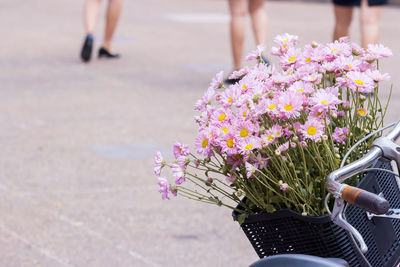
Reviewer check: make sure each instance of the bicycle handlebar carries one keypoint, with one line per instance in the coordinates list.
(365, 200)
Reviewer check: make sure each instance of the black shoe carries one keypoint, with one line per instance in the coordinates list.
(264, 60)
(104, 53)
(86, 52)
(231, 81)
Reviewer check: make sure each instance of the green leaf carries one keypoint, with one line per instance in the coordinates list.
(242, 217)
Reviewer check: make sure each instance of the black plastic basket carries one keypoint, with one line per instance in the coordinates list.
(288, 232)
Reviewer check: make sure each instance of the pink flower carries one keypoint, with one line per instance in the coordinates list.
(357, 50)
(283, 186)
(238, 74)
(360, 82)
(180, 150)
(313, 129)
(362, 112)
(377, 51)
(260, 162)
(340, 135)
(286, 40)
(377, 76)
(183, 162)
(164, 187)
(323, 100)
(229, 144)
(250, 170)
(256, 53)
(292, 56)
(203, 143)
(290, 105)
(178, 173)
(246, 145)
(158, 163)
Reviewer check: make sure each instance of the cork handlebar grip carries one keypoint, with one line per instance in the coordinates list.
(365, 200)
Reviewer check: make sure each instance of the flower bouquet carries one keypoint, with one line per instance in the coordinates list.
(268, 142)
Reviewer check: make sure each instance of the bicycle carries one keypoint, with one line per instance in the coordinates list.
(375, 205)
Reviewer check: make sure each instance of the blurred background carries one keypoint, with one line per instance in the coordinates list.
(77, 140)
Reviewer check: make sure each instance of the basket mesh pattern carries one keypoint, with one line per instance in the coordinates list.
(287, 232)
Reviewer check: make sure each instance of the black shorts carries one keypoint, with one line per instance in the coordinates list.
(358, 2)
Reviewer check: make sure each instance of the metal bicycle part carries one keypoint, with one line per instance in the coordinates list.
(383, 147)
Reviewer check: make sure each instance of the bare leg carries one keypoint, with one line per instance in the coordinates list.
(259, 20)
(369, 23)
(91, 11)
(113, 12)
(238, 10)
(343, 17)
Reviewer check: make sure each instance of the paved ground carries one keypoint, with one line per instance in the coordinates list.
(77, 140)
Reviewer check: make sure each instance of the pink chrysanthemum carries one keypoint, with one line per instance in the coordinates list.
(313, 129)
(324, 100)
(377, 51)
(340, 134)
(178, 173)
(290, 105)
(360, 82)
(164, 187)
(250, 170)
(158, 163)
(283, 186)
(229, 144)
(362, 112)
(247, 145)
(203, 143)
(377, 76)
(180, 150)
(256, 53)
(292, 56)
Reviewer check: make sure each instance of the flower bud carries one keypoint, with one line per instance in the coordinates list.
(304, 213)
(334, 115)
(239, 193)
(369, 117)
(314, 44)
(362, 97)
(277, 152)
(366, 131)
(295, 138)
(206, 160)
(337, 156)
(280, 182)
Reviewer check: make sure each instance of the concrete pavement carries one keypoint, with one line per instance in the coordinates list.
(77, 140)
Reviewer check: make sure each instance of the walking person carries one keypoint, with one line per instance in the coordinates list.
(90, 15)
(370, 13)
(239, 10)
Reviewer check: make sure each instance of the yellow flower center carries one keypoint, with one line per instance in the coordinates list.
(333, 50)
(291, 59)
(300, 91)
(225, 130)
(308, 59)
(222, 117)
(270, 137)
(245, 114)
(324, 102)
(286, 40)
(230, 100)
(249, 146)
(229, 143)
(288, 107)
(244, 133)
(204, 143)
(359, 82)
(278, 134)
(350, 67)
(271, 107)
(311, 130)
(362, 112)
(244, 86)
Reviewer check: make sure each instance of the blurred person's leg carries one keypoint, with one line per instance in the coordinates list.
(238, 11)
(112, 17)
(343, 17)
(369, 23)
(91, 11)
(259, 20)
